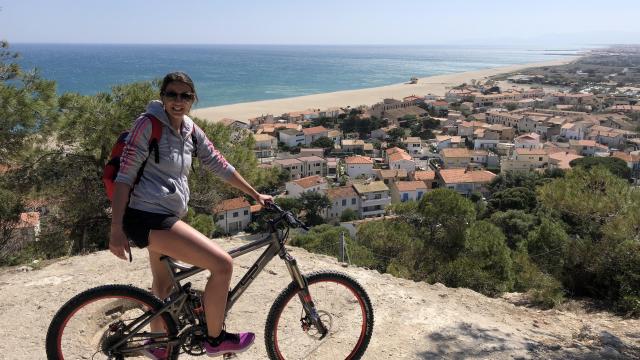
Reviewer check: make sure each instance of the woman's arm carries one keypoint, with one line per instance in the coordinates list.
(118, 242)
(236, 180)
(212, 159)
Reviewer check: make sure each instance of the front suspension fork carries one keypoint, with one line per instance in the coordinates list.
(304, 294)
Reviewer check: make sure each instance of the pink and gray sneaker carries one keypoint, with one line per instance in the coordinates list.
(157, 353)
(227, 343)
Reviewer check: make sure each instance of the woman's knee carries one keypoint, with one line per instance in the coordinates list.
(221, 265)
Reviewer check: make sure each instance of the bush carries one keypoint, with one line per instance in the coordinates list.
(542, 289)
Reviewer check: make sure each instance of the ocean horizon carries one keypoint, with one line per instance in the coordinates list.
(229, 74)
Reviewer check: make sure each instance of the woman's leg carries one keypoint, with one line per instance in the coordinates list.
(161, 284)
(184, 243)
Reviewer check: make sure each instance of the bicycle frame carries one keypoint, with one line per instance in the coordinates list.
(275, 242)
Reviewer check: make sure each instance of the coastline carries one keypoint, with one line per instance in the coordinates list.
(437, 85)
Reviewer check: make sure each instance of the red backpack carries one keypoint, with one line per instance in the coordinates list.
(113, 165)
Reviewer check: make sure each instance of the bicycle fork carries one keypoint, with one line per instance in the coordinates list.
(304, 295)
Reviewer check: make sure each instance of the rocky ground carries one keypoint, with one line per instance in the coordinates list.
(413, 320)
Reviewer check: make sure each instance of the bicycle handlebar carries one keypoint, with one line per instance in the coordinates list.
(288, 216)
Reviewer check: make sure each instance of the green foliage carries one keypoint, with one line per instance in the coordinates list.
(390, 240)
(529, 180)
(349, 215)
(586, 199)
(396, 134)
(516, 198)
(314, 203)
(617, 167)
(11, 206)
(485, 247)
(325, 239)
(515, 225)
(548, 245)
(322, 142)
(27, 107)
(445, 218)
(201, 222)
(542, 289)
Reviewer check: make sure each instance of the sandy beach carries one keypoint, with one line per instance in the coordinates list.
(436, 85)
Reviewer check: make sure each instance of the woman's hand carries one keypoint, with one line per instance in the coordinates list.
(263, 199)
(118, 242)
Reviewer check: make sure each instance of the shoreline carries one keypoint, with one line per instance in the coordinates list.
(437, 85)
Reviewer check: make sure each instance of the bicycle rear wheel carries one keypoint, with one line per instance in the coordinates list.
(96, 319)
(344, 308)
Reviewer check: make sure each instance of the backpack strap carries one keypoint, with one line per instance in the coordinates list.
(156, 133)
(194, 141)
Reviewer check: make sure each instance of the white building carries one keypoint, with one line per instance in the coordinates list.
(266, 145)
(414, 145)
(358, 165)
(374, 197)
(313, 165)
(291, 137)
(314, 183)
(399, 159)
(342, 198)
(233, 215)
(314, 133)
(465, 182)
(402, 191)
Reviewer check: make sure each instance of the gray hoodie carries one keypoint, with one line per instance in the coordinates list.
(163, 187)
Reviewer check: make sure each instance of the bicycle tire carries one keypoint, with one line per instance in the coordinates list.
(119, 298)
(336, 297)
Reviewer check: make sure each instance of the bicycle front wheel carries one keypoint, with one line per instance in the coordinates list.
(92, 322)
(342, 305)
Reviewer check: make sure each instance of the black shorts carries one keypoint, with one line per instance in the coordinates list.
(137, 224)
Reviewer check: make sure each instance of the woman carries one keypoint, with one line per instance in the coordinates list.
(150, 214)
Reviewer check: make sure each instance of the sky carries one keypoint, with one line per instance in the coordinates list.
(402, 22)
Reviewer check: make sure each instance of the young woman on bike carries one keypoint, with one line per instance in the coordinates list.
(150, 215)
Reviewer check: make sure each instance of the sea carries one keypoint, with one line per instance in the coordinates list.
(228, 74)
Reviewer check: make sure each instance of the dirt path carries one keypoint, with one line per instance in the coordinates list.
(412, 320)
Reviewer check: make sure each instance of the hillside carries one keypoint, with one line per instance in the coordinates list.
(412, 320)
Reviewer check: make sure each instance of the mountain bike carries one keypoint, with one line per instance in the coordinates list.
(321, 315)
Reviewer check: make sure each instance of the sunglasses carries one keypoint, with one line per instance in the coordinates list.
(186, 96)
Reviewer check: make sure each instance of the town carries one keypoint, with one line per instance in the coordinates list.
(367, 157)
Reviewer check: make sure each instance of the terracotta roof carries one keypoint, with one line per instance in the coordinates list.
(231, 204)
(440, 103)
(399, 156)
(393, 150)
(424, 175)
(562, 159)
(341, 192)
(523, 151)
(583, 143)
(286, 162)
(410, 185)
(624, 156)
(410, 98)
(412, 139)
(311, 158)
(256, 208)
(455, 152)
(457, 176)
(348, 142)
(263, 137)
(310, 181)
(529, 136)
(391, 173)
(28, 219)
(358, 160)
(315, 130)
